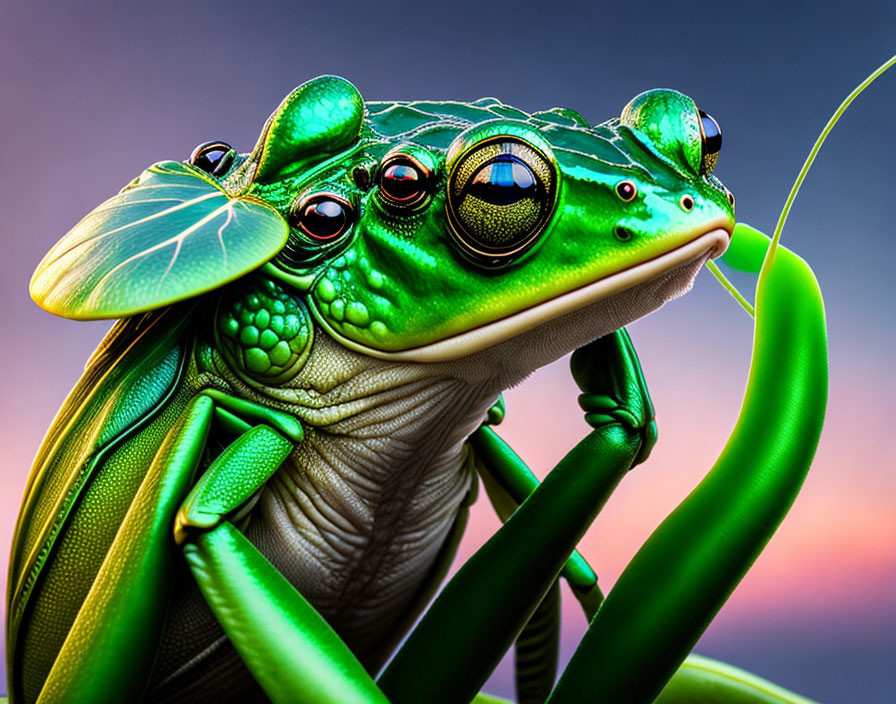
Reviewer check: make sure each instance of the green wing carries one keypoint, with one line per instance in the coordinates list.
(85, 473)
(171, 234)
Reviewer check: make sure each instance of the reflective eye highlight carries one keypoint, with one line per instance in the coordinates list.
(403, 181)
(214, 158)
(501, 193)
(711, 135)
(626, 190)
(503, 181)
(323, 217)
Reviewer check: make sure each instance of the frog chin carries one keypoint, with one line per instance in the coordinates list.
(577, 318)
(530, 338)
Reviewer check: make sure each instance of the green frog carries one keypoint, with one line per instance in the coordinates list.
(262, 476)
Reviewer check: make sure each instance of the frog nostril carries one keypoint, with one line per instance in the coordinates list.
(623, 234)
(686, 203)
(361, 177)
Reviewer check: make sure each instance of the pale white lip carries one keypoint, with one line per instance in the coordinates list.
(712, 243)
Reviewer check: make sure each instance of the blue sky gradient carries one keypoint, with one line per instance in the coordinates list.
(95, 91)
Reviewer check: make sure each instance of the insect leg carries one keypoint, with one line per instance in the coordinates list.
(682, 575)
(288, 647)
(508, 482)
(498, 589)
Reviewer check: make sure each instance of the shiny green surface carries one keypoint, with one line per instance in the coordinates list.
(289, 648)
(116, 418)
(265, 331)
(682, 575)
(704, 681)
(508, 482)
(496, 592)
(101, 659)
(396, 286)
(239, 472)
(319, 118)
(119, 462)
(173, 233)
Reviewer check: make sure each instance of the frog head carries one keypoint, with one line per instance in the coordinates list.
(420, 231)
(428, 231)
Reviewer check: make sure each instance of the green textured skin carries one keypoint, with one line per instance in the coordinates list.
(396, 284)
(133, 431)
(230, 482)
(264, 331)
(101, 660)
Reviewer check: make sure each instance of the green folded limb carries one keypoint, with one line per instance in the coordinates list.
(499, 588)
(680, 578)
(685, 572)
(288, 647)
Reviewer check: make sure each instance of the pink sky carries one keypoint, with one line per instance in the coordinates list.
(92, 99)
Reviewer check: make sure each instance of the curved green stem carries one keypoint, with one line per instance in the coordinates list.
(682, 575)
(798, 182)
(731, 288)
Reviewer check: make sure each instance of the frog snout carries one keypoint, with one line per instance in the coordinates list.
(722, 240)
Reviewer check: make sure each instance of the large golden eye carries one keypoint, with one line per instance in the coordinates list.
(500, 196)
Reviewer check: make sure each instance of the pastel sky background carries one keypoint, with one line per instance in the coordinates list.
(92, 92)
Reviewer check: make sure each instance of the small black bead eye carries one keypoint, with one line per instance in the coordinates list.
(712, 142)
(214, 158)
(626, 190)
(730, 197)
(323, 217)
(403, 181)
(686, 203)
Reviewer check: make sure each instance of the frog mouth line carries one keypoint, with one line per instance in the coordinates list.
(709, 244)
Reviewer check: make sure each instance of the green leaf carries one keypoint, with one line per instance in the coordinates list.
(172, 234)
